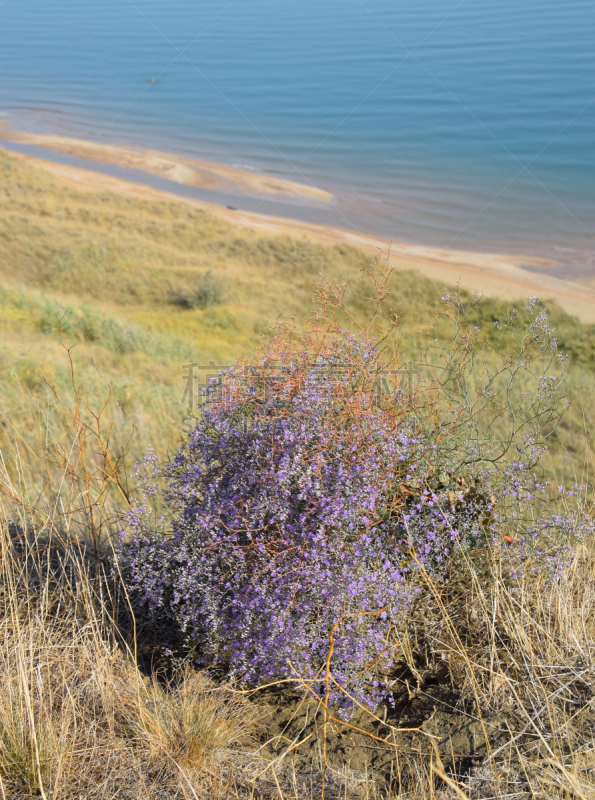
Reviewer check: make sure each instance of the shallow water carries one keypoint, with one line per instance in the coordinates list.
(466, 125)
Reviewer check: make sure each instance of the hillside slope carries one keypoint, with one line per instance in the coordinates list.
(135, 288)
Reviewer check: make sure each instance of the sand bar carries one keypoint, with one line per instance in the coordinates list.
(495, 275)
(187, 171)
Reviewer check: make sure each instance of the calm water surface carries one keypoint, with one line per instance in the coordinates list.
(458, 124)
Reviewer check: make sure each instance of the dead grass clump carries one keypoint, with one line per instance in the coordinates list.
(35, 738)
(197, 726)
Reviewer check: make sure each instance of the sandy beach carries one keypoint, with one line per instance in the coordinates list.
(496, 275)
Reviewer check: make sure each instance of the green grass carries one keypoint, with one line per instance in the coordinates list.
(135, 288)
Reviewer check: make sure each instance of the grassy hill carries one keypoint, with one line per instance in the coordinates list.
(103, 298)
(136, 288)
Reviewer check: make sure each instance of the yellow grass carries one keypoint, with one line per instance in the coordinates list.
(78, 719)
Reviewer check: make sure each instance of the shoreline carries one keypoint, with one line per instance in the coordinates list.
(180, 169)
(496, 275)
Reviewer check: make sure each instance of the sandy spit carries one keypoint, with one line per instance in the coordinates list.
(199, 174)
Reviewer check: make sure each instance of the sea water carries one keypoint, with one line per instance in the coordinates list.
(464, 124)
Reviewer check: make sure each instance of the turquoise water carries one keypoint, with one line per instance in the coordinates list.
(465, 125)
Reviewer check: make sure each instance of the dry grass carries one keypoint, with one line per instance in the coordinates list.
(522, 656)
(513, 660)
(77, 717)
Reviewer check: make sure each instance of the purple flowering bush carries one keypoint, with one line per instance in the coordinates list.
(318, 494)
